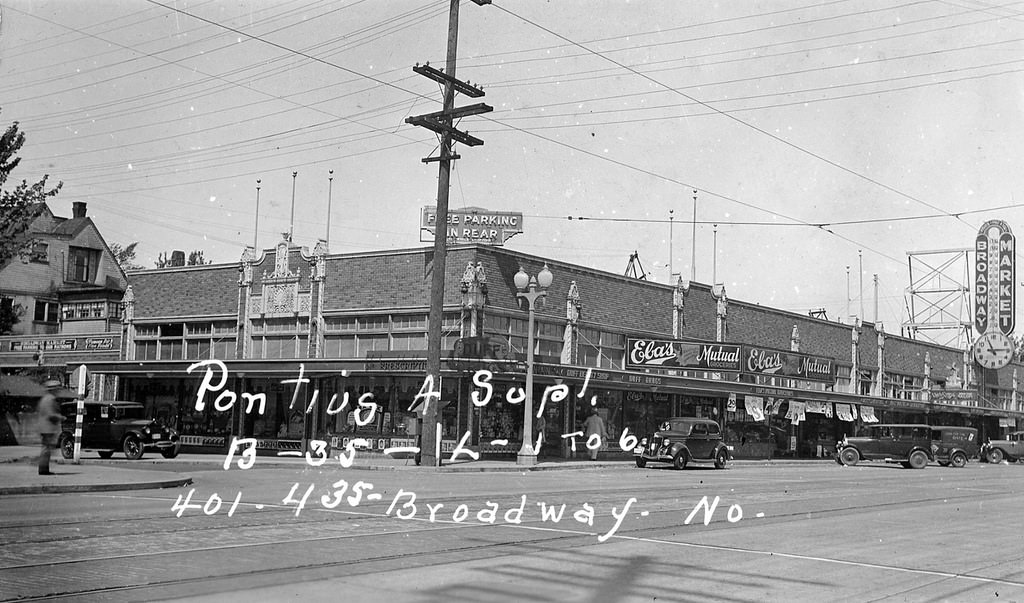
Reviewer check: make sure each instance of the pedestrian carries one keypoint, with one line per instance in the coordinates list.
(594, 425)
(49, 425)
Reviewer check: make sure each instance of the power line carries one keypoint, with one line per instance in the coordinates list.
(738, 120)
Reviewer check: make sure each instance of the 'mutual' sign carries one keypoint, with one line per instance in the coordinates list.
(993, 278)
(474, 225)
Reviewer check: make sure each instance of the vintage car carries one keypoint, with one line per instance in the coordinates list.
(684, 440)
(111, 426)
(954, 445)
(907, 444)
(1010, 449)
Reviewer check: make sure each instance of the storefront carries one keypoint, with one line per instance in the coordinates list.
(306, 339)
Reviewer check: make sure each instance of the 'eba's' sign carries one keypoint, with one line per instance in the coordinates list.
(994, 274)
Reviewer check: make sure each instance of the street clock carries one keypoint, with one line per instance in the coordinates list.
(993, 350)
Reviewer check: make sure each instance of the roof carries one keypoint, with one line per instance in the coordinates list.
(118, 403)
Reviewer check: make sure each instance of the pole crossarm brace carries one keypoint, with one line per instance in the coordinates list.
(460, 112)
(443, 78)
(432, 124)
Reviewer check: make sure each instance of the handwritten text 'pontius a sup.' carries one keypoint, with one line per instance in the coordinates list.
(215, 379)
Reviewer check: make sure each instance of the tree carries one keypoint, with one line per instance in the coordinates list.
(20, 206)
(177, 258)
(125, 256)
(10, 315)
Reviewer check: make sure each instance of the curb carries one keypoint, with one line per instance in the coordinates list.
(70, 488)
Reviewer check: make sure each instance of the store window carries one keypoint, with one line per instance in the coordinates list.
(84, 310)
(192, 341)
(601, 349)
(39, 252)
(81, 265)
(46, 311)
(356, 336)
(280, 338)
(865, 379)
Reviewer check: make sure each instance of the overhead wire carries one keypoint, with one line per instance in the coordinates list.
(735, 119)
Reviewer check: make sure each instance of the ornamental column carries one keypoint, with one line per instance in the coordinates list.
(474, 298)
(794, 340)
(573, 309)
(926, 395)
(721, 311)
(318, 275)
(855, 369)
(245, 267)
(128, 324)
(679, 295)
(880, 384)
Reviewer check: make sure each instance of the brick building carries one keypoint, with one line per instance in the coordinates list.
(313, 339)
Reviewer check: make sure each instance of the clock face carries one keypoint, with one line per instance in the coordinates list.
(993, 350)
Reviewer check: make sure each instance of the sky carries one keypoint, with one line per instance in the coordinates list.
(794, 151)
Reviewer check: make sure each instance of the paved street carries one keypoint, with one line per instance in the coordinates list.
(783, 532)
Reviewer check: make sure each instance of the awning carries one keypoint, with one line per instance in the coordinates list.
(20, 386)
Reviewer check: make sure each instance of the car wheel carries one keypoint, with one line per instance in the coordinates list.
(640, 461)
(106, 454)
(849, 456)
(721, 459)
(679, 460)
(918, 460)
(995, 455)
(133, 448)
(67, 446)
(958, 460)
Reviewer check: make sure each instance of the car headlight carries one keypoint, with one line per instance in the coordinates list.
(145, 430)
(643, 441)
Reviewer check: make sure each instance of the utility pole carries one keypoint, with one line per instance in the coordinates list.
(441, 123)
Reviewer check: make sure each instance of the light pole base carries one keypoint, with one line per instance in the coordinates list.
(526, 459)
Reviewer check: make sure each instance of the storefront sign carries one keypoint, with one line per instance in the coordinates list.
(474, 225)
(381, 361)
(45, 345)
(959, 397)
(474, 353)
(763, 361)
(661, 353)
(569, 372)
(994, 270)
(61, 344)
(99, 343)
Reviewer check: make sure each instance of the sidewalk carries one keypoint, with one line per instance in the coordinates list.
(18, 473)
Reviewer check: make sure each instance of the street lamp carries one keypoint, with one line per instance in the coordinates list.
(531, 289)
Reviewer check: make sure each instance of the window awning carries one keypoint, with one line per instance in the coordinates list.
(20, 386)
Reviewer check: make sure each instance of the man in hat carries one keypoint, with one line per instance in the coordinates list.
(49, 425)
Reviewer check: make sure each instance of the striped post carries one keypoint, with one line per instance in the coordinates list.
(81, 374)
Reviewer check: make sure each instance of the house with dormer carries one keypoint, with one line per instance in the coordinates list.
(66, 286)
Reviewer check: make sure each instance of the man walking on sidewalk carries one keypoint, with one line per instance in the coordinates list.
(594, 426)
(49, 425)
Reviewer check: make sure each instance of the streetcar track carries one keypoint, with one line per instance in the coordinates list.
(555, 536)
(562, 538)
(533, 524)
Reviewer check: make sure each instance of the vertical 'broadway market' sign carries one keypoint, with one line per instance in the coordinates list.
(994, 273)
